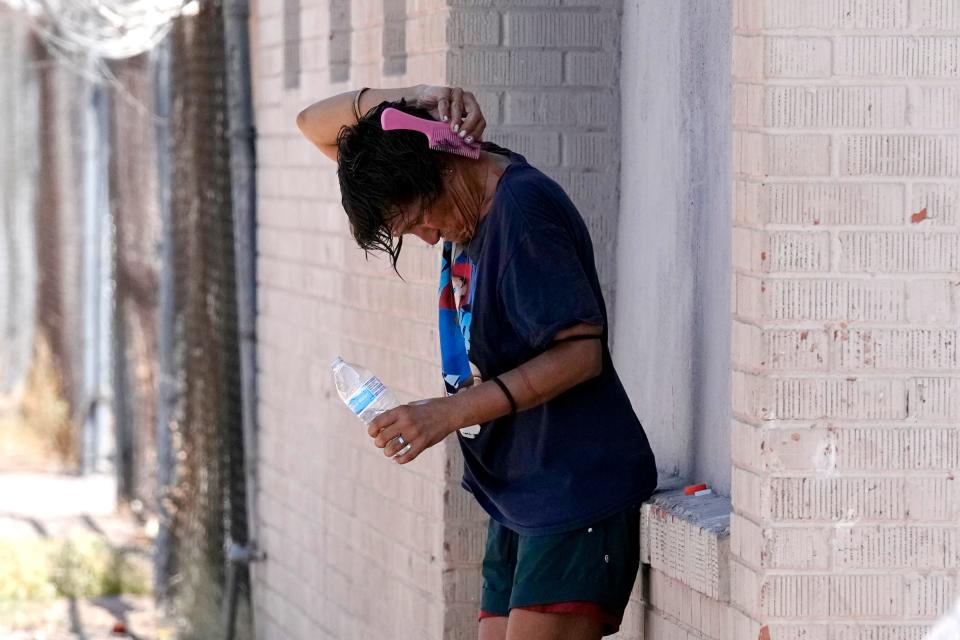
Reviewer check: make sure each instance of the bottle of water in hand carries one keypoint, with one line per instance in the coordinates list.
(363, 392)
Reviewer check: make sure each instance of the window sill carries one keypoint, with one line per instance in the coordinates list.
(687, 538)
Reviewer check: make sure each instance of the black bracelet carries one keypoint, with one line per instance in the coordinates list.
(506, 392)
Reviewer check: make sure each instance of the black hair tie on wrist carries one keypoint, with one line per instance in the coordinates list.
(506, 392)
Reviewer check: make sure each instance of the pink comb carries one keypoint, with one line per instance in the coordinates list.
(439, 135)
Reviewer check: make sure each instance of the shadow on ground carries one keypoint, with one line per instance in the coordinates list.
(71, 564)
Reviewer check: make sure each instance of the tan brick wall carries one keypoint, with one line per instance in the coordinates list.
(845, 438)
(355, 544)
(684, 588)
(358, 547)
(548, 71)
(846, 205)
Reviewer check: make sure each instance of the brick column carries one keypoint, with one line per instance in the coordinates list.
(845, 434)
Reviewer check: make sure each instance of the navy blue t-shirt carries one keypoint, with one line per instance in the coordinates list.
(583, 455)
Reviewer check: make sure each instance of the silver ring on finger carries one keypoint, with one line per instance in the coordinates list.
(401, 440)
(403, 451)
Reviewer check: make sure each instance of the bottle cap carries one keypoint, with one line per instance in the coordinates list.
(336, 362)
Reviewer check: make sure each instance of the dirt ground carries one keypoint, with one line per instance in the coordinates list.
(60, 532)
(87, 618)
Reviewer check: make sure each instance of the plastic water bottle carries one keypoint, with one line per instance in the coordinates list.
(363, 392)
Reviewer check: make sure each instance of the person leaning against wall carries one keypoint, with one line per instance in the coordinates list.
(553, 450)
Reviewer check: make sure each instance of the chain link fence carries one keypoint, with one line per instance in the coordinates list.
(206, 491)
(176, 358)
(118, 242)
(59, 218)
(135, 204)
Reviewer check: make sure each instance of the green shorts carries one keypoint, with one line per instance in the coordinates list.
(588, 571)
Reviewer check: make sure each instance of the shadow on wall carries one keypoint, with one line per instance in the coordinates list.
(339, 45)
(394, 44)
(291, 44)
(394, 37)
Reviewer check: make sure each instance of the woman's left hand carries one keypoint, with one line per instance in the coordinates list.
(422, 425)
(454, 105)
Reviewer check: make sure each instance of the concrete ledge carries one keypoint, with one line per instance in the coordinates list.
(687, 538)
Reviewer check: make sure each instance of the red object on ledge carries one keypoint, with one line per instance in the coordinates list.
(691, 489)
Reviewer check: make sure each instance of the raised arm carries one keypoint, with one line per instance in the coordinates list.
(321, 122)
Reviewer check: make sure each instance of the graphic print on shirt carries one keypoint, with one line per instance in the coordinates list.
(456, 291)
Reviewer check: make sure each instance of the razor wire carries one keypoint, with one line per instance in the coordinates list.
(84, 35)
(104, 29)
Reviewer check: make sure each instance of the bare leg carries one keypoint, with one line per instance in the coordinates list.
(493, 628)
(529, 625)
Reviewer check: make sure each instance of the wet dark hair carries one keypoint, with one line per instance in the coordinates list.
(382, 171)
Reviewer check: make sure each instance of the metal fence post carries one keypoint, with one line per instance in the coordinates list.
(236, 14)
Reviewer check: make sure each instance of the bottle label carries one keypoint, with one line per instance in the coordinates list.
(370, 391)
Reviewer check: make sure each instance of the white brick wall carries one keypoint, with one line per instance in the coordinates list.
(846, 303)
(358, 547)
(684, 588)
(554, 71)
(845, 437)
(355, 544)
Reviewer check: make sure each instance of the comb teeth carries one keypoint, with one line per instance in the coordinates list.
(449, 142)
(466, 153)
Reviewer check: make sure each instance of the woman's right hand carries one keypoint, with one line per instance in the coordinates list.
(454, 105)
